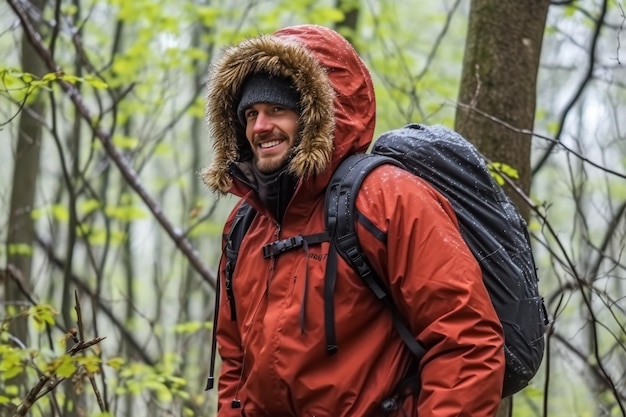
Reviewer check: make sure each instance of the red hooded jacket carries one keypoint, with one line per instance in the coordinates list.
(274, 358)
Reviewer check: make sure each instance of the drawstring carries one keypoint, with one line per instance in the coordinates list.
(305, 247)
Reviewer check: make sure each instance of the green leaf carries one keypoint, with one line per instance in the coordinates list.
(15, 84)
(197, 109)
(69, 9)
(65, 367)
(190, 327)
(327, 14)
(37, 213)
(60, 213)
(23, 249)
(126, 213)
(90, 363)
(27, 78)
(125, 142)
(116, 363)
(100, 235)
(95, 82)
(176, 381)
(72, 79)
(499, 178)
(49, 77)
(200, 55)
(12, 372)
(498, 169)
(124, 67)
(11, 362)
(89, 206)
(208, 15)
(163, 149)
(42, 316)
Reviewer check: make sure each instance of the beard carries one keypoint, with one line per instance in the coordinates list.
(269, 165)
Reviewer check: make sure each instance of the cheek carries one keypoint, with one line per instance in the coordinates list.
(294, 132)
(250, 132)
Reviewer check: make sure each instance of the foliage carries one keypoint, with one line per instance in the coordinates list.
(122, 222)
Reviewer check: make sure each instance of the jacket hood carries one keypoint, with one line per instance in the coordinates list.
(336, 98)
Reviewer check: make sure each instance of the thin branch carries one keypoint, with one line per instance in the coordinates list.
(619, 33)
(120, 161)
(438, 40)
(48, 383)
(139, 350)
(579, 91)
(81, 332)
(553, 142)
(597, 372)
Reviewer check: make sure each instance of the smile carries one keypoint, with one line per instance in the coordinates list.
(269, 144)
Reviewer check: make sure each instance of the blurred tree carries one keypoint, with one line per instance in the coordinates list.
(117, 212)
(21, 226)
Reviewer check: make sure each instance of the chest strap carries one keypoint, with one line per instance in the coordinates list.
(280, 246)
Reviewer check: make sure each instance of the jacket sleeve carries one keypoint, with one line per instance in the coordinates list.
(437, 285)
(229, 344)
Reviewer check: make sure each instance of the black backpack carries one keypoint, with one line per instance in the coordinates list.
(490, 224)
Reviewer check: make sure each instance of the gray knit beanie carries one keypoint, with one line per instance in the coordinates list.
(265, 88)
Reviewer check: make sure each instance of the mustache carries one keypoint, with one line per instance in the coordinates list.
(258, 138)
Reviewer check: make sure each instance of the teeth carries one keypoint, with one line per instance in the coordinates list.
(269, 144)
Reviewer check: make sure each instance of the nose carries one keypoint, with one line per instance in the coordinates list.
(262, 123)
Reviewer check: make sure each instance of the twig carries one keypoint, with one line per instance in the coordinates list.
(553, 142)
(599, 23)
(619, 33)
(81, 332)
(48, 383)
(127, 171)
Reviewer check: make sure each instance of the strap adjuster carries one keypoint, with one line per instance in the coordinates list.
(280, 246)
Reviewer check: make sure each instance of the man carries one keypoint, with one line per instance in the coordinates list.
(283, 111)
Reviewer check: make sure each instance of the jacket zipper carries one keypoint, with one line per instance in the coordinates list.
(273, 258)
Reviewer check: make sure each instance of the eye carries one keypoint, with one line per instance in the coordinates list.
(250, 113)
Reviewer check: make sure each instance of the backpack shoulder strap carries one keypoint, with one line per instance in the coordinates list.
(243, 218)
(341, 225)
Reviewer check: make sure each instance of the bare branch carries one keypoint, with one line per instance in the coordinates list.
(116, 156)
(599, 21)
(619, 33)
(48, 383)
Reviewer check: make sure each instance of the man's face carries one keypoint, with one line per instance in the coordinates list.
(272, 131)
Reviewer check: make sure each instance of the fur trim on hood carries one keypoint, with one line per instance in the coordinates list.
(299, 53)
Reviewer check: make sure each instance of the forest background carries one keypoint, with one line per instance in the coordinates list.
(109, 242)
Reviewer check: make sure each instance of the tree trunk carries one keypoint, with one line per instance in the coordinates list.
(21, 228)
(498, 84)
(498, 89)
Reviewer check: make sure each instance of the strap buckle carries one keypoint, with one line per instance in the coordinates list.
(280, 246)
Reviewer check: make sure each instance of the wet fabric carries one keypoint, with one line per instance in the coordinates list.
(494, 230)
(273, 350)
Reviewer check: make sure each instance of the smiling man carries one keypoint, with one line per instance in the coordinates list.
(269, 110)
(284, 111)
